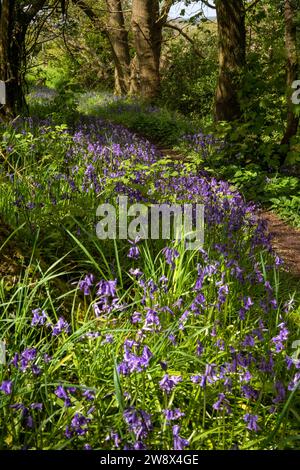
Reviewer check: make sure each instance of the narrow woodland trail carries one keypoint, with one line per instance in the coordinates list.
(285, 238)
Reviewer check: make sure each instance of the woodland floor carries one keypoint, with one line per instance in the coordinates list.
(285, 239)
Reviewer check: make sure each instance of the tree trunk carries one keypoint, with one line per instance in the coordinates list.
(11, 43)
(135, 84)
(14, 22)
(147, 32)
(290, 13)
(118, 37)
(232, 57)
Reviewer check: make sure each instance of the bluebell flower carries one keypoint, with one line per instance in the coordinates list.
(86, 284)
(62, 326)
(151, 319)
(114, 436)
(179, 442)
(281, 338)
(109, 339)
(107, 288)
(249, 392)
(134, 362)
(36, 406)
(173, 415)
(295, 382)
(169, 382)
(172, 339)
(222, 404)
(39, 317)
(60, 392)
(280, 392)
(138, 422)
(134, 252)
(170, 255)
(27, 357)
(89, 395)
(251, 421)
(6, 387)
(136, 317)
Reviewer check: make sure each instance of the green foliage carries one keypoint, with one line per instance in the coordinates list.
(43, 188)
(79, 56)
(288, 207)
(158, 124)
(189, 76)
(53, 176)
(60, 106)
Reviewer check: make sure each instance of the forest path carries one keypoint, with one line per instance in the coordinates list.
(285, 238)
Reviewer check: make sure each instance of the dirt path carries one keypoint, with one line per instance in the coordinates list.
(286, 241)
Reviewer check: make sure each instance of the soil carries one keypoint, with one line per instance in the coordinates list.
(285, 241)
(11, 255)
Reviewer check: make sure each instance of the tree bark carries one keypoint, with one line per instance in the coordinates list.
(118, 37)
(135, 85)
(10, 61)
(147, 33)
(14, 23)
(114, 30)
(290, 12)
(232, 57)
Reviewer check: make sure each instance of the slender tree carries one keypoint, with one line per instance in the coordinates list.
(232, 56)
(290, 11)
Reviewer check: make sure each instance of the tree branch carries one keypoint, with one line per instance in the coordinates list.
(165, 11)
(90, 14)
(186, 36)
(253, 4)
(213, 7)
(86, 9)
(34, 9)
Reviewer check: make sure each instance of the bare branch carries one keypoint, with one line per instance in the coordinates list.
(213, 7)
(186, 36)
(34, 9)
(252, 5)
(90, 14)
(165, 11)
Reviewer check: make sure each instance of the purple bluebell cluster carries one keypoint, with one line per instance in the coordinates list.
(175, 348)
(169, 382)
(203, 144)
